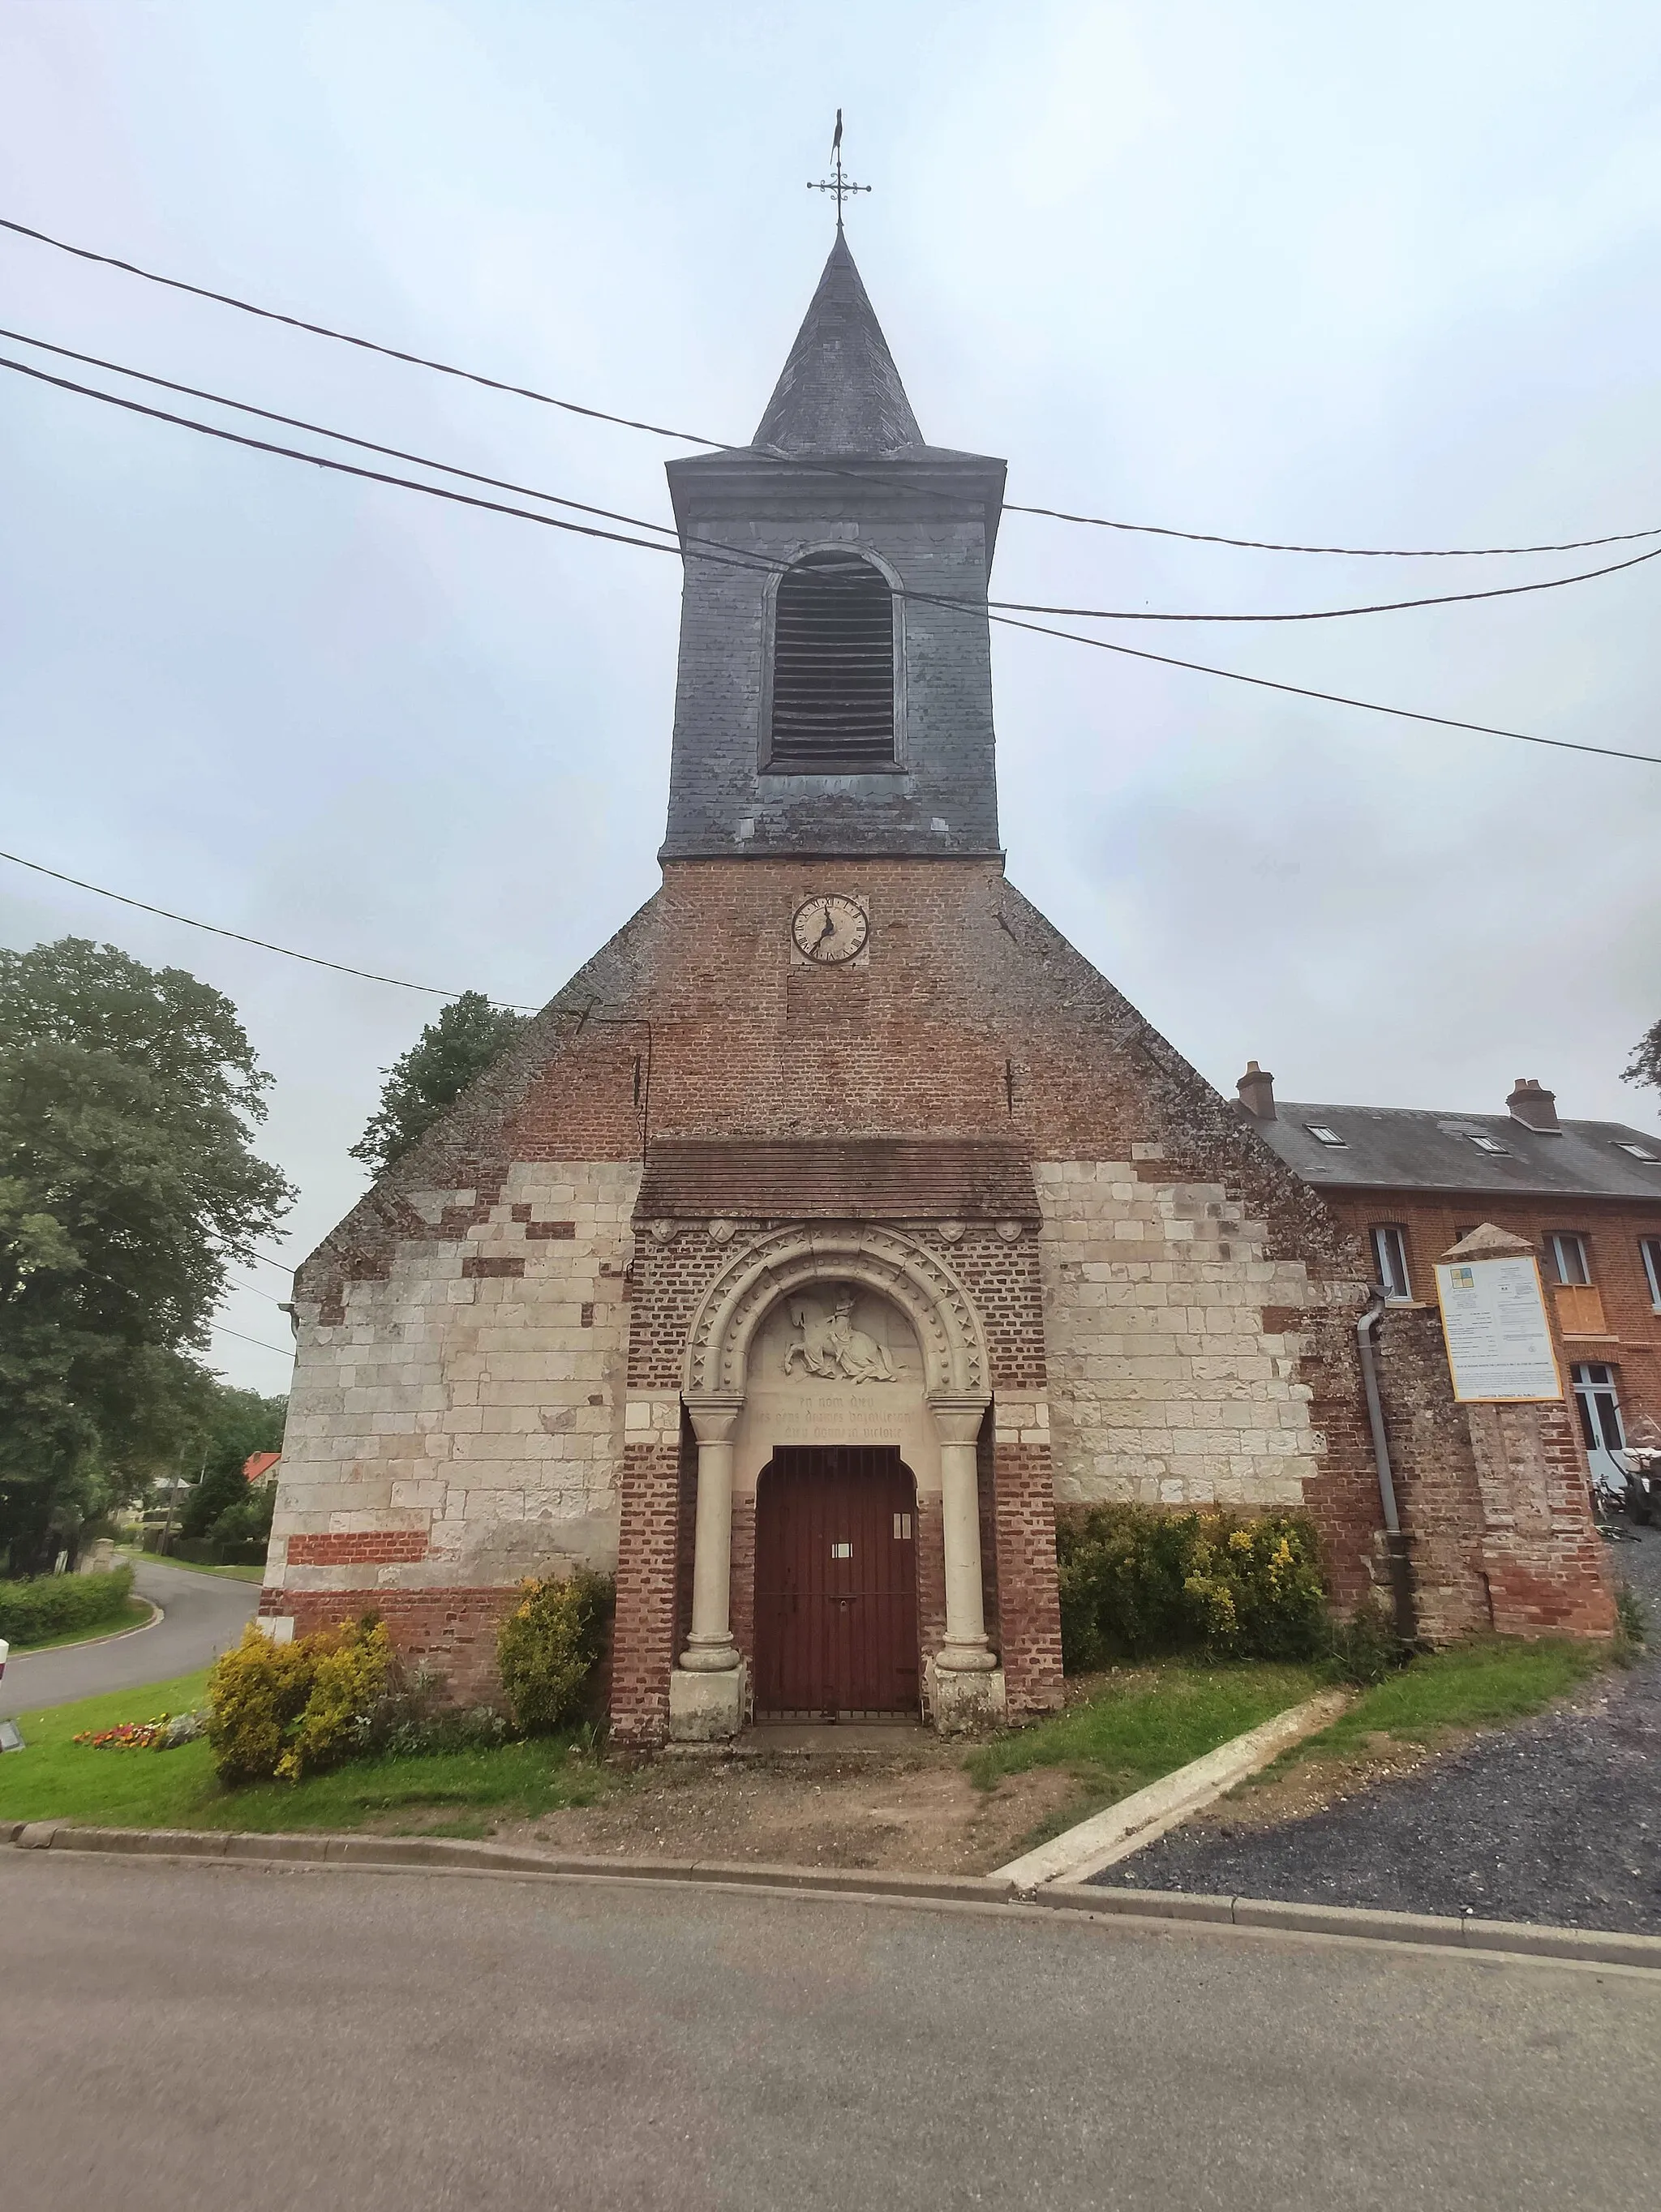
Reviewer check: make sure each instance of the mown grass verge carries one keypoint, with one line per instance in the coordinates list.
(135, 1614)
(192, 1566)
(1144, 1723)
(1483, 1683)
(449, 1793)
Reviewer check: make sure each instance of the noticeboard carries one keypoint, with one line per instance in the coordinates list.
(1498, 1334)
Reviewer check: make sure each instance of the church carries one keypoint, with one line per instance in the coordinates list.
(838, 1227)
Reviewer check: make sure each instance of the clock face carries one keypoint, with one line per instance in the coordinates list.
(830, 929)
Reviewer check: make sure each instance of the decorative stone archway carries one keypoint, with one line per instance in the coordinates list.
(707, 1693)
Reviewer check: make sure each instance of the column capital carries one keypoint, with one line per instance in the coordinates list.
(713, 1413)
(958, 1414)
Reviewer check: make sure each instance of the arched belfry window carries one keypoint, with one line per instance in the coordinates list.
(833, 666)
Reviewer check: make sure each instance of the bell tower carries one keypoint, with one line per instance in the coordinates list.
(834, 694)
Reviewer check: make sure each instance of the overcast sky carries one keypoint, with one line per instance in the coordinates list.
(1380, 274)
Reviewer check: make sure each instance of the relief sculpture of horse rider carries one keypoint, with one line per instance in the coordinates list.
(831, 1348)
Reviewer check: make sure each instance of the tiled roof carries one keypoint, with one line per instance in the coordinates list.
(1411, 1148)
(859, 1179)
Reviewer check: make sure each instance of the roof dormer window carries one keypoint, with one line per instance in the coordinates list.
(1484, 1143)
(1637, 1151)
(1323, 1135)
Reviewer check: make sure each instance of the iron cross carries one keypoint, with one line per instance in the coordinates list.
(838, 183)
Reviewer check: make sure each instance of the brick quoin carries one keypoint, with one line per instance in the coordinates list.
(390, 1547)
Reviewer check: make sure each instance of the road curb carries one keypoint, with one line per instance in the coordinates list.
(1121, 1830)
(1493, 1939)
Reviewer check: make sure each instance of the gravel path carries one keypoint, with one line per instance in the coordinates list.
(1558, 1819)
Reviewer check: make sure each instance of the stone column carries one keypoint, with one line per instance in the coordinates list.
(966, 1686)
(707, 1689)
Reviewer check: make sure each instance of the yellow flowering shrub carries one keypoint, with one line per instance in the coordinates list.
(1135, 1582)
(548, 1645)
(287, 1709)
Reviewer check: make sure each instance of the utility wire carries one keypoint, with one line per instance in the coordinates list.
(1333, 698)
(702, 550)
(719, 445)
(1008, 619)
(321, 430)
(286, 1351)
(213, 930)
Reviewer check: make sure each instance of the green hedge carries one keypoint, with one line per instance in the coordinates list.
(206, 1552)
(52, 1605)
(1135, 1582)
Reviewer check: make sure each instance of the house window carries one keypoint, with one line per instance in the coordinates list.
(833, 667)
(1566, 1249)
(1323, 1135)
(1390, 1261)
(1638, 1151)
(1650, 1249)
(1487, 1144)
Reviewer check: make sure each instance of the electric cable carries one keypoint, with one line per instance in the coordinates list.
(718, 445)
(322, 430)
(705, 549)
(958, 606)
(213, 929)
(285, 1351)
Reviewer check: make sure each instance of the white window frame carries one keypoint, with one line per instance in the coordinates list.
(1388, 1240)
(1574, 1240)
(1324, 1133)
(1649, 1251)
(1597, 1397)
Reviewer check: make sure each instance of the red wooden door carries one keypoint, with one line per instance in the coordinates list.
(836, 1583)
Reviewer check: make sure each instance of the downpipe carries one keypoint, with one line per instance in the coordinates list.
(1396, 1544)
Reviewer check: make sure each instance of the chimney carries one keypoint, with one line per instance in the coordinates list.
(1256, 1092)
(1534, 1108)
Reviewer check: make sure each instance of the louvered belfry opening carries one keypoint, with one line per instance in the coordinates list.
(833, 666)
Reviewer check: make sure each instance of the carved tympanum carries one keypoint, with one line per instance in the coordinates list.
(829, 1345)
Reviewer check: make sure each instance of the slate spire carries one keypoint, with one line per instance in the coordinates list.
(840, 391)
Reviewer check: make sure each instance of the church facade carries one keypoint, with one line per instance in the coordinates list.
(838, 1225)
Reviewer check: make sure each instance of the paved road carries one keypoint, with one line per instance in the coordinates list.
(204, 1614)
(1558, 1819)
(182, 2037)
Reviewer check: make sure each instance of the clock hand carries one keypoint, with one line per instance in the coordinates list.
(829, 928)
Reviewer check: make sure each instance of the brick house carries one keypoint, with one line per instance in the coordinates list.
(838, 1226)
(1587, 1195)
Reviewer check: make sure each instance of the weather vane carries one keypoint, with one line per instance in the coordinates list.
(838, 183)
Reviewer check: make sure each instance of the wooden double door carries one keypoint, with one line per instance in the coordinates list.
(837, 1584)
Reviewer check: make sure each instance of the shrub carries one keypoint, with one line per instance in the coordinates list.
(290, 1709)
(52, 1605)
(1135, 1582)
(548, 1645)
(1365, 1648)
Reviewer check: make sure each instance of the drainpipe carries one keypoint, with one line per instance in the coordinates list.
(1396, 1544)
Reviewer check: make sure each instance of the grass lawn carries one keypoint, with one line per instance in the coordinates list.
(194, 1566)
(133, 1614)
(1145, 1723)
(460, 1793)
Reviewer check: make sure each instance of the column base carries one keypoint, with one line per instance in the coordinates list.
(706, 1708)
(963, 1704)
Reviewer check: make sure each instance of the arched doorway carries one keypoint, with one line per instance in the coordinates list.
(835, 1604)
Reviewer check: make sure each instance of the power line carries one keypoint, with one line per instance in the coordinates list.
(702, 549)
(1332, 698)
(321, 430)
(720, 445)
(286, 1351)
(213, 929)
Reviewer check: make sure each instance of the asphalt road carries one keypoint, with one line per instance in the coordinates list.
(192, 2036)
(205, 1613)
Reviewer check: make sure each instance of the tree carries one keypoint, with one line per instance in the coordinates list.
(449, 1055)
(237, 1423)
(126, 1181)
(1645, 1065)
